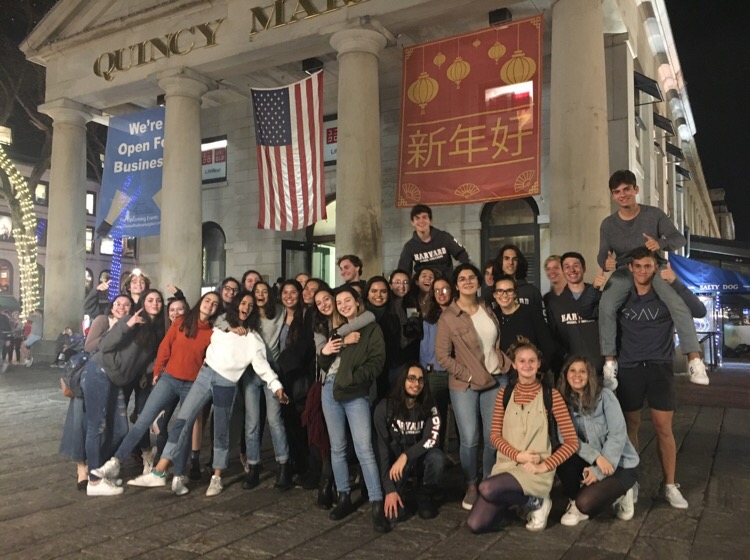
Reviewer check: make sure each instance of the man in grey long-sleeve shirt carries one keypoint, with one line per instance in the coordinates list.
(634, 226)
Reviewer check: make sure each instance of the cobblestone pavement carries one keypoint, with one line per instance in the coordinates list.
(42, 515)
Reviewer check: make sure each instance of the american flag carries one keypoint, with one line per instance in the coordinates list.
(289, 137)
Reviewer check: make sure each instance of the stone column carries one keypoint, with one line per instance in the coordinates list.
(359, 228)
(579, 155)
(66, 226)
(180, 242)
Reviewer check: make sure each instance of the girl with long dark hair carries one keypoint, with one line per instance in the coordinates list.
(231, 352)
(176, 367)
(407, 425)
(124, 353)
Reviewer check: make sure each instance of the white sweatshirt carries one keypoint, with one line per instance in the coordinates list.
(229, 354)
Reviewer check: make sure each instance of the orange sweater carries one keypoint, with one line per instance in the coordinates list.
(524, 394)
(180, 356)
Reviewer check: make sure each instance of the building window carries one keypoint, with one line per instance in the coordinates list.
(6, 277)
(90, 204)
(213, 256)
(6, 228)
(107, 246)
(41, 232)
(41, 194)
(90, 240)
(512, 222)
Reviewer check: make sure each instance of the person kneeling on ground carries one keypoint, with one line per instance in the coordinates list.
(523, 427)
(603, 471)
(407, 424)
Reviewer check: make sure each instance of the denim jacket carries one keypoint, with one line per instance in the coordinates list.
(603, 432)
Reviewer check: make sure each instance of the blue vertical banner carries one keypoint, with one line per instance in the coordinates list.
(130, 197)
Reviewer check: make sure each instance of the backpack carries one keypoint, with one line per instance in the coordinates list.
(547, 398)
(71, 379)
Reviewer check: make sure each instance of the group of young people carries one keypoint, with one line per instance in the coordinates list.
(370, 369)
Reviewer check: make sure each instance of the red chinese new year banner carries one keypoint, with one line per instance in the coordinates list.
(471, 116)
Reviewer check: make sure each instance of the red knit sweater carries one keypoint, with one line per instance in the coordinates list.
(524, 394)
(180, 356)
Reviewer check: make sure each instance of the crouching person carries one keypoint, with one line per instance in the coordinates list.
(523, 430)
(603, 471)
(408, 430)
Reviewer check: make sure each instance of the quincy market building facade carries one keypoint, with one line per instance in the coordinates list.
(110, 58)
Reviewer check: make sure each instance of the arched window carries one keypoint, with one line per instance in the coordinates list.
(214, 256)
(6, 277)
(515, 222)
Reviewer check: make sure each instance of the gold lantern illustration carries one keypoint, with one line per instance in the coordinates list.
(520, 68)
(458, 70)
(423, 90)
(439, 59)
(496, 51)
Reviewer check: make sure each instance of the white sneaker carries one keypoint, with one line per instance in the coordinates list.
(625, 506)
(28, 362)
(697, 370)
(5, 367)
(610, 374)
(103, 488)
(110, 469)
(469, 498)
(215, 488)
(178, 486)
(149, 480)
(572, 516)
(538, 518)
(674, 496)
(148, 459)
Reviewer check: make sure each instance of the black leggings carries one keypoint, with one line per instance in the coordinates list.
(496, 495)
(593, 499)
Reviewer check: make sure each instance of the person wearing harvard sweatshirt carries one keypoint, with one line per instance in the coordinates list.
(407, 425)
(430, 246)
(177, 364)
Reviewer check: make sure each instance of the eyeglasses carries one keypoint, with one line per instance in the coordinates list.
(508, 292)
(467, 279)
(442, 290)
(415, 379)
(399, 282)
(230, 289)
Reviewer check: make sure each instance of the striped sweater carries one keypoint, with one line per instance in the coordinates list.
(524, 394)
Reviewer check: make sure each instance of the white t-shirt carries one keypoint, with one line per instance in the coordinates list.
(487, 332)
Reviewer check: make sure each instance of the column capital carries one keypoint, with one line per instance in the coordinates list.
(183, 82)
(68, 111)
(358, 40)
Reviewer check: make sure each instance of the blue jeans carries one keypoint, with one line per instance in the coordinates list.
(357, 413)
(470, 408)
(164, 396)
(106, 416)
(615, 294)
(207, 386)
(253, 388)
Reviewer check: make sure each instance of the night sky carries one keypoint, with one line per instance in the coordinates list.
(713, 48)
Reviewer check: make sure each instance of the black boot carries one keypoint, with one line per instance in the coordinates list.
(426, 508)
(252, 478)
(283, 477)
(325, 494)
(379, 522)
(343, 507)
